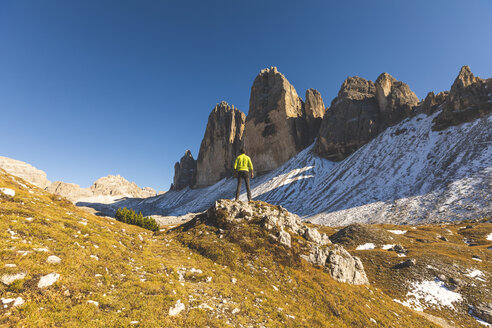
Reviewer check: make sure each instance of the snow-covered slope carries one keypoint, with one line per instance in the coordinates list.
(407, 174)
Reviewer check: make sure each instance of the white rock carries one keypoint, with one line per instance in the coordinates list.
(94, 257)
(8, 279)
(205, 306)
(29, 219)
(10, 265)
(48, 280)
(41, 249)
(178, 307)
(53, 259)
(93, 302)
(7, 191)
(18, 301)
(284, 238)
(140, 237)
(134, 322)
(7, 300)
(233, 280)
(236, 310)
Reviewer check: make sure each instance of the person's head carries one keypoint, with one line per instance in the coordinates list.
(243, 151)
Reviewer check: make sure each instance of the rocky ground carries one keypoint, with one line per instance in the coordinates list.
(235, 265)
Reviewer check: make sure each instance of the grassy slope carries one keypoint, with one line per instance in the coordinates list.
(434, 257)
(136, 275)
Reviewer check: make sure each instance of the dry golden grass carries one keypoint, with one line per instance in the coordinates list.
(136, 276)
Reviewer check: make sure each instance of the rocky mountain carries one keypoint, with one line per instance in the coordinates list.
(277, 125)
(184, 172)
(220, 145)
(112, 186)
(360, 112)
(24, 171)
(408, 174)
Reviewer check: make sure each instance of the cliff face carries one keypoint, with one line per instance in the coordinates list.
(24, 171)
(220, 145)
(184, 172)
(350, 121)
(468, 99)
(277, 127)
(360, 112)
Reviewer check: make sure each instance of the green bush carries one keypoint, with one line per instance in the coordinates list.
(129, 216)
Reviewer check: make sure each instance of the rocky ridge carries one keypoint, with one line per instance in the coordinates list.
(470, 97)
(112, 185)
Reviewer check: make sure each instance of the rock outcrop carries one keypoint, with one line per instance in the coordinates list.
(283, 227)
(220, 145)
(276, 126)
(470, 97)
(314, 108)
(24, 171)
(360, 112)
(184, 172)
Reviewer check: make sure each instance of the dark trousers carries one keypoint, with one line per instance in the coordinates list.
(243, 175)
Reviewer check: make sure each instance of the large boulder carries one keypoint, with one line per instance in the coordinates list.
(220, 145)
(362, 110)
(276, 126)
(470, 97)
(24, 171)
(184, 172)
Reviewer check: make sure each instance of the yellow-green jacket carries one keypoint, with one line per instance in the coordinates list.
(243, 163)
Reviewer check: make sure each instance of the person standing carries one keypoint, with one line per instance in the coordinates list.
(243, 169)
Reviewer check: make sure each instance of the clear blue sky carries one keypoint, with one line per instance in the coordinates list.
(90, 88)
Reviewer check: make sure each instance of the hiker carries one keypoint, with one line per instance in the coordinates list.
(243, 169)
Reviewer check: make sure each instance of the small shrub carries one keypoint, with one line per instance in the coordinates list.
(129, 216)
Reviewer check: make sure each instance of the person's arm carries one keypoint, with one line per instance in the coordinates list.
(234, 172)
(250, 167)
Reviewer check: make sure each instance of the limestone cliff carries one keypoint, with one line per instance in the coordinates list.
(276, 125)
(360, 112)
(220, 145)
(184, 172)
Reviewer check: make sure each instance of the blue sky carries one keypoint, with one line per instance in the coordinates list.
(90, 88)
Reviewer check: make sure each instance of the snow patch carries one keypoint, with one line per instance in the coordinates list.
(388, 246)
(366, 246)
(489, 237)
(430, 292)
(398, 232)
(176, 309)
